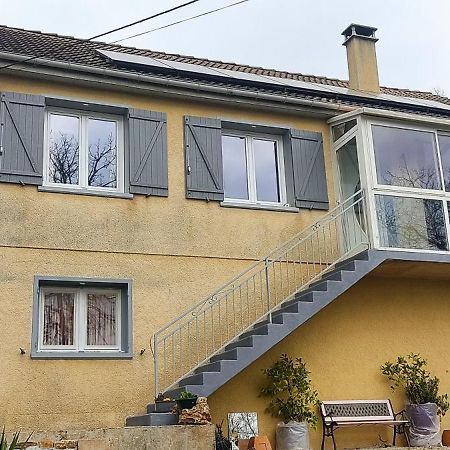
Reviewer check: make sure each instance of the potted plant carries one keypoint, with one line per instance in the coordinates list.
(293, 400)
(425, 404)
(186, 400)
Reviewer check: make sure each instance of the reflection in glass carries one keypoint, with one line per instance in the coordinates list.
(234, 167)
(102, 153)
(411, 223)
(242, 425)
(406, 157)
(58, 318)
(63, 149)
(266, 168)
(444, 147)
(342, 128)
(101, 319)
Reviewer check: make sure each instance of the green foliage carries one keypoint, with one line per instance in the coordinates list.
(185, 395)
(291, 392)
(410, 374)
(4, 443)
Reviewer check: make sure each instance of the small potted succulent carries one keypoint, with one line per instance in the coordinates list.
(186, 400)
(425, 405)
(293, 400)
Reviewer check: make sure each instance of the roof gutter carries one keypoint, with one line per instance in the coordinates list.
(330, 108)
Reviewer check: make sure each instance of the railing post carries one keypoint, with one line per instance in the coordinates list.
(156, 364)
(266, 268)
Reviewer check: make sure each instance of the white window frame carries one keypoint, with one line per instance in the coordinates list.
(376, 188)
(251, 173)
(83, 166)
(80, 320)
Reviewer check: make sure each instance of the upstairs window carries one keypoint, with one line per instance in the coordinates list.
(84, 151)
(253, 169)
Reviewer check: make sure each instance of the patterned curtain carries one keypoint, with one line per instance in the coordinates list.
(58, 318)
(101, 319)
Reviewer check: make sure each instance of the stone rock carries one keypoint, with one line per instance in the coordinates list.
(198, 415)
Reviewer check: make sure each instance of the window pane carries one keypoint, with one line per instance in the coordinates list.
(406, 157)
(102, 153)
(63, 149)
(58, 318)
(266, 168)
(411, 223)
(341, 129)
(444, 146)
(234, 167)
(101, 319)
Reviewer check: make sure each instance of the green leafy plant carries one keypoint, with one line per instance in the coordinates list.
(291, 391)
(185, 395)
(13, 444)
(410, 373)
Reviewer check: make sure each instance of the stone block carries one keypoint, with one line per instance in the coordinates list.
(93, 444)
(46, 443)
(65, 444)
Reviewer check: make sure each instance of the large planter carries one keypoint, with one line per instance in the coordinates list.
(186, 403)
(424, 429)
(292, 436)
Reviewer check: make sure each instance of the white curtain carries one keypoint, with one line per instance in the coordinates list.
(101, 319)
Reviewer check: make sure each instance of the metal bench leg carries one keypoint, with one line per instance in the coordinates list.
(328, 431)
(332, 437)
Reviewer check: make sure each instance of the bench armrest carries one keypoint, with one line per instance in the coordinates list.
(402, 414)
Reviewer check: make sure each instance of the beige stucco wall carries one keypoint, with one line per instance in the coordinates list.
(175, 250)
(346, 343)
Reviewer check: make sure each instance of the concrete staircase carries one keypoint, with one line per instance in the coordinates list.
(253, 343)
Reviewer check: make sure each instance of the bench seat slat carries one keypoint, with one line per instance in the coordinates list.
(368, 422)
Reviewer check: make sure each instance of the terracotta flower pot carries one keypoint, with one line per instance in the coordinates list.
(446, 438)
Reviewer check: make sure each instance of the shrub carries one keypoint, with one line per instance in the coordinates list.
(291, 392)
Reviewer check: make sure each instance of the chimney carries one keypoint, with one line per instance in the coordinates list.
(362, 58)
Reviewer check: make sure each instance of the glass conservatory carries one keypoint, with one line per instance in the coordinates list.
(402, 164)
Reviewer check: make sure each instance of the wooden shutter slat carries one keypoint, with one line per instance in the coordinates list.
(310, 183)
(203, 153)
(148, 153)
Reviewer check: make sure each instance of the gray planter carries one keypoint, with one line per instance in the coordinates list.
(425, 429)
(292, 436)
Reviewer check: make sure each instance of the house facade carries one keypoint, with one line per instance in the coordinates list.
(156, 208)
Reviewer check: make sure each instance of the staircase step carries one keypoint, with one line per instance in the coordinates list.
(193, 379)
(261, 323)
(176, 391)
(160, 407)
(246, 342)
(225, 356)
(152, 420)
(262, 330)
(210, 367)
(303, 296)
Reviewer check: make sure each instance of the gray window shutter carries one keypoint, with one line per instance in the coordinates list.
(148, 152)
(203, 153)
(310, 182)
(21, 138)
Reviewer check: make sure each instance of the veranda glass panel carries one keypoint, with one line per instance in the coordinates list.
(102, 319)
(444, 147)
(406, 157)
(102, 135)
(234, 158)
(266, 170)
(411, 223)
(63, 149)
(342, 128)
(58, 326)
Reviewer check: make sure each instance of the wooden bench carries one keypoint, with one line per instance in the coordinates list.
(350, 413)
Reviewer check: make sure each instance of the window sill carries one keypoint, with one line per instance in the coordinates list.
(65, 190)
(80, 355)
(279, 208)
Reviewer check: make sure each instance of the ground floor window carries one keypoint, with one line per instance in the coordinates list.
(81, 318)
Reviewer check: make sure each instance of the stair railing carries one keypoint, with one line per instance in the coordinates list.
(189, 340)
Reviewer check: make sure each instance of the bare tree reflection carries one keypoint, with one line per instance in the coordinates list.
(103, 163)
(242, 425)
(64, 159)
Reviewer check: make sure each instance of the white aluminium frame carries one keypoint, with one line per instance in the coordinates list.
(250, 168)
(80, 320)
(368, 172)
(83, 166)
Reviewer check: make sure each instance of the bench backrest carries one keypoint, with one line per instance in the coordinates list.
(356, 410)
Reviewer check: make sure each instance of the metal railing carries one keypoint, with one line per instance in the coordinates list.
(195, 336)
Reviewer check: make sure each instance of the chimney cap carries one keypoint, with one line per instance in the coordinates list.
(359, 31)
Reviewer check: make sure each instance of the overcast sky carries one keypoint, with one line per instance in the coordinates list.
(296, 35)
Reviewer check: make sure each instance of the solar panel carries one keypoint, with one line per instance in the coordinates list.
(262, 79)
